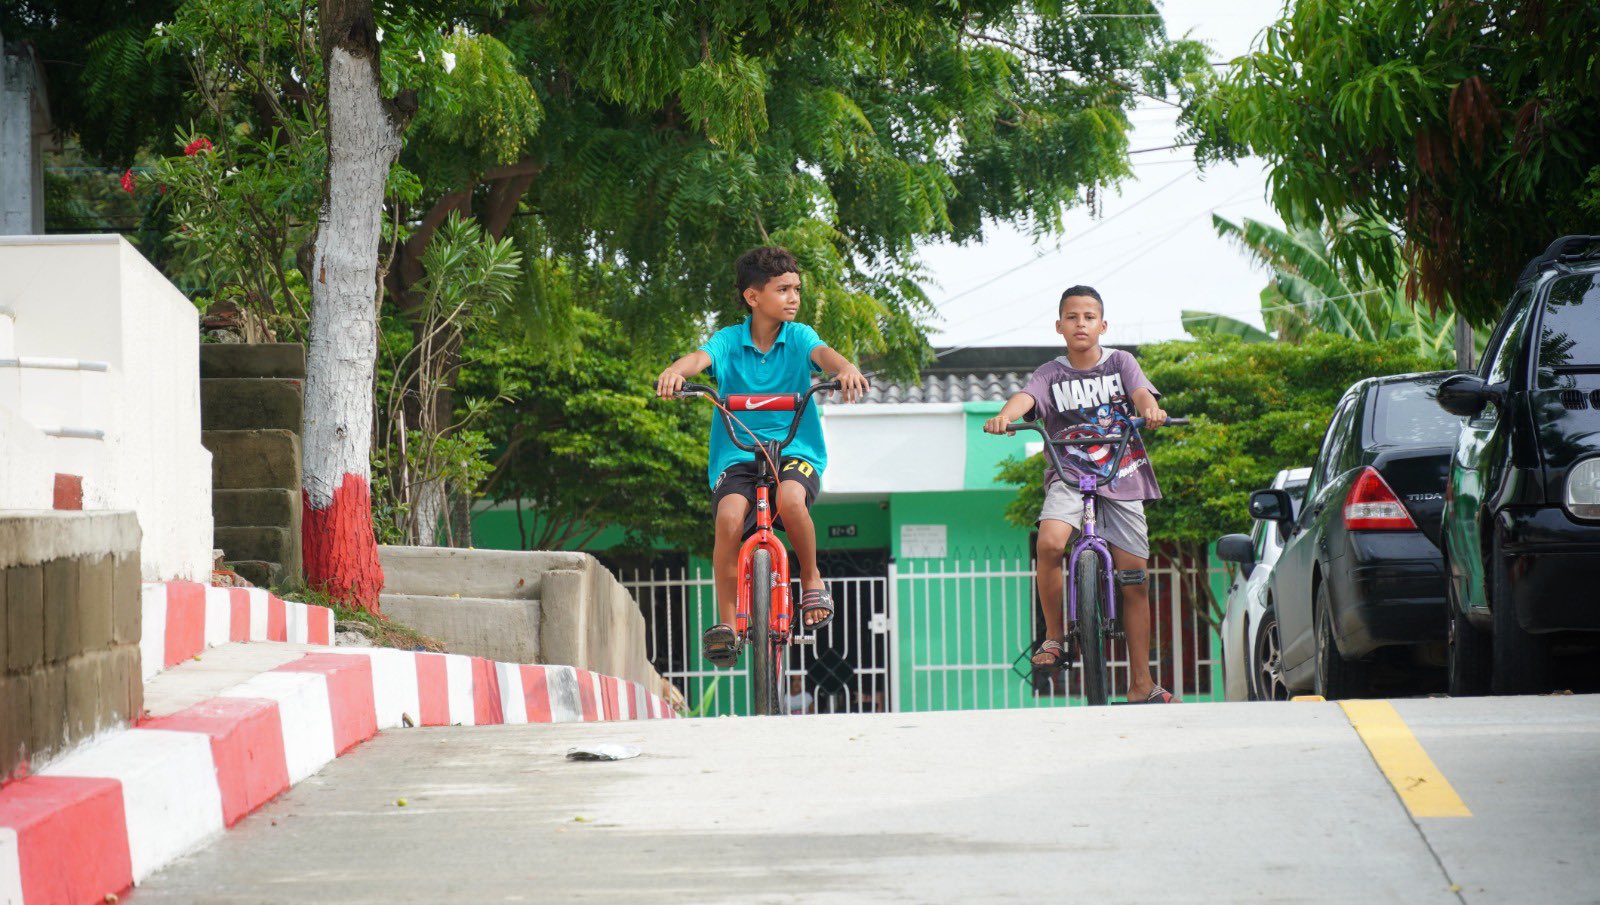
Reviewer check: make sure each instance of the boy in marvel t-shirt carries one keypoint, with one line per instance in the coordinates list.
(1092, 392)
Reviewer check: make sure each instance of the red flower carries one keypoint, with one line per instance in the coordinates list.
(127, 181)
(196, 146)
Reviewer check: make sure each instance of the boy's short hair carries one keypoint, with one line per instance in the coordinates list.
(1080, 290)
(758, 266)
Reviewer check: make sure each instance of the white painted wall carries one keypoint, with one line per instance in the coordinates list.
(895, 448)
(26, 475)
(96, 298)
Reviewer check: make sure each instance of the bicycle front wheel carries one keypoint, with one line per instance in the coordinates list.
(765, 657)
(1089, 577)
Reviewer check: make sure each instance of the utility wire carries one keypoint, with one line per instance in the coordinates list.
(1137, 255)
(989, 281)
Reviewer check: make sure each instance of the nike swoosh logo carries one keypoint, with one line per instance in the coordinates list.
(754, 404)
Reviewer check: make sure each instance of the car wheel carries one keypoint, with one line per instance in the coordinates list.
(1521, 660)
(1336, 677)
(1266, 662)
(1468, 662)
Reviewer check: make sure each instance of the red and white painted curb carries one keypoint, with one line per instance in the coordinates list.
(183, 618)
(111, 813)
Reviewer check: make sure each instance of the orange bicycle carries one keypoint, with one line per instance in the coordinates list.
(763, 618)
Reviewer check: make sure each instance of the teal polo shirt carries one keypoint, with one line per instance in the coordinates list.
(740, 368)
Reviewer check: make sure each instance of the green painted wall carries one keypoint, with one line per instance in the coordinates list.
(985, 452)
(870, 519)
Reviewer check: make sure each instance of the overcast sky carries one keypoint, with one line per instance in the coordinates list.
(1152, 253)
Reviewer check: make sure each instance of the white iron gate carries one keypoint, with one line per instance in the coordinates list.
(845, 669)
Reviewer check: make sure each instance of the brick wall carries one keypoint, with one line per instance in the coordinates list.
(69, 630)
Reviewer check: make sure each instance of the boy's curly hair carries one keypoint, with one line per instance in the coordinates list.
(759, 265)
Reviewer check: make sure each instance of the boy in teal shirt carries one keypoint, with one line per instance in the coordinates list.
(767, 354)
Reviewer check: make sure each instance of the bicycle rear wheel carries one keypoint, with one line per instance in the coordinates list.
(1089, 577)
(766, 659)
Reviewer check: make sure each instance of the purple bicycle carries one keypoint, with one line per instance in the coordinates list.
(1089, 597)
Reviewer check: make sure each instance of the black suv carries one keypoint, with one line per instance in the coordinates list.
(1522, 511)
(1360, 568)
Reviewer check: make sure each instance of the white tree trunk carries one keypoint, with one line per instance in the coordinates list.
(363, 140)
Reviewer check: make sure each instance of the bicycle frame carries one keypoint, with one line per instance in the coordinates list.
(764, 537)
(1090, 539)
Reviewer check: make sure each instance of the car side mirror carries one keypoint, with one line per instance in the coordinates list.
(1237, 548)
(1271, 506)
(1467, 394)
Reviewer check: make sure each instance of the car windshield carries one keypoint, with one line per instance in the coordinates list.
(1571, 326)
(1407, 415)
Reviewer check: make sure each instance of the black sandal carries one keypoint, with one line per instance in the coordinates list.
(720, 645)
(810, 602)
(1058, 655)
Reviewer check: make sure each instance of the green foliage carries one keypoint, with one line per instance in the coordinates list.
(1312, 291)
(1201, 325)
(241, 209)
(1470, 125)
(1255, 407)
(429, 454)
(480, 113)
(582, 442)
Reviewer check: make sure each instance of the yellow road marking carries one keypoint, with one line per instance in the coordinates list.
(1422, 788)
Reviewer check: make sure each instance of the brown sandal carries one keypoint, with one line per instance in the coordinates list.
(1056, 651)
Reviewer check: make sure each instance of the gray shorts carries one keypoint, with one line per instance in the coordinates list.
(1120, 522)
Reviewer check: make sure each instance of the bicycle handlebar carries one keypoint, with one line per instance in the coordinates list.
(801, 401)
(1122, 440)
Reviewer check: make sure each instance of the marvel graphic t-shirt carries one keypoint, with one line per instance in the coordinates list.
(1079, 403)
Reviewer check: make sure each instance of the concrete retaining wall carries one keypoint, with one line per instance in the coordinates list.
(535, 606)
(70, 625)
(96, 299)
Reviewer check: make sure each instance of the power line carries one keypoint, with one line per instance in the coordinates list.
(1123, 265)
(989, 281)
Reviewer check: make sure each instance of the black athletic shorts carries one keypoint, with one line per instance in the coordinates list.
(741, 479)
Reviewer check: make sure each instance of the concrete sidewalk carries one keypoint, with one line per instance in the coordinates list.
(1227, 802)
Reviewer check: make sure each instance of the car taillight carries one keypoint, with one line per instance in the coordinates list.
(1372, 506)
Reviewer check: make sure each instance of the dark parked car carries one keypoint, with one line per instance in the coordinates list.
(1522, 512)
(1360, 569)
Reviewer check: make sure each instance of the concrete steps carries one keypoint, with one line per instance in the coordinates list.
(251, 407)
(244, 403)
(445, 572)
(501, 629)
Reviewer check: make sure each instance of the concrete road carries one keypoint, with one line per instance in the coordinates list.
(1198, 803)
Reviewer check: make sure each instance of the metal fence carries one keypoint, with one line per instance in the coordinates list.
(843, 669)
(966, 630)
(947, 634)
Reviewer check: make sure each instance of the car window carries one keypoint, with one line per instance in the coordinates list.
(1499, 363)
(1328, 457)
(1297, 493)
(1569, 333)
(1518, 306)
(1258, 538)
(1407, 415)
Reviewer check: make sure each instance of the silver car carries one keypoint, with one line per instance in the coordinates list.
(1250, 645)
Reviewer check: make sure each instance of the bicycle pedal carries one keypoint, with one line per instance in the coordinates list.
(1126, 577)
